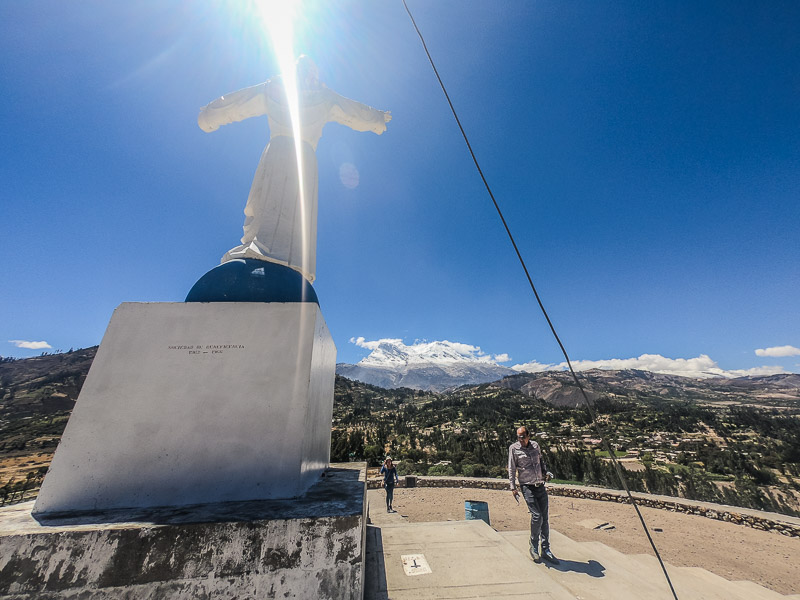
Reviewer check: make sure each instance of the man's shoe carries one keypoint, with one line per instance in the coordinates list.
(535, 555)
(549, 556)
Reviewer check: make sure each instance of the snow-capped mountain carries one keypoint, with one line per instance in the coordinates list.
(431, 366)
(440, 365)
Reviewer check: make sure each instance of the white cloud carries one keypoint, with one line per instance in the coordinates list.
(700, 367)
(535, 367)
(501, 358)
(756, 371)
(30, 345)
(372, 345)
(777, 351)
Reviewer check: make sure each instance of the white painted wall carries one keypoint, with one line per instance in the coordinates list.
(194, 403)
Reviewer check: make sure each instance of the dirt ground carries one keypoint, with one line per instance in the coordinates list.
(731, 551)
(17, 467)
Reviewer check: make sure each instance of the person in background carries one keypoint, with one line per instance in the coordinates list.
(525, 460)
(390, 478)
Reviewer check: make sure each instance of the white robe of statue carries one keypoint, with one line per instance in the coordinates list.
(279, 225)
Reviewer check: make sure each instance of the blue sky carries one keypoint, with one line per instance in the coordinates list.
(647, 157)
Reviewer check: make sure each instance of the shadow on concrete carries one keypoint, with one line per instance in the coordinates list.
(591, 568)
(375, 587)
(338, 492)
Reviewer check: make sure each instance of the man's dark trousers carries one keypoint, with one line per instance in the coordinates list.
(536, 498)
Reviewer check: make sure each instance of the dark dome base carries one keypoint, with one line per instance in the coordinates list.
(251, 280)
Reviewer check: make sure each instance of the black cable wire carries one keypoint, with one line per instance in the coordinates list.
(544, 312)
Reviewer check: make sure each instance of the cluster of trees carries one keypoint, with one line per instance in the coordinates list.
(689, 482)
(33, 433)
(14, 491)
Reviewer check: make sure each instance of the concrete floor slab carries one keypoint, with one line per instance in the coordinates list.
(468, 559)
(699, 583)
(592, 570)
(758, 591)
(734, 590)
(377, 510)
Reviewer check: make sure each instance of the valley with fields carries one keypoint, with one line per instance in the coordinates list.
(732, 441)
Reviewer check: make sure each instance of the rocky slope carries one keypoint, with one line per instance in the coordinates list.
(43, 384)
(558, 388)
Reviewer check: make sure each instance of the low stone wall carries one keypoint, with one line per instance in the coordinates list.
(751, 518)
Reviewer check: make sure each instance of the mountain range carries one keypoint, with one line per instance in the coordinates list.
(434, 366)
(50, 383)
(442, 366)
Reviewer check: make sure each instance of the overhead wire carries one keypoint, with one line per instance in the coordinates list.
(588, 402)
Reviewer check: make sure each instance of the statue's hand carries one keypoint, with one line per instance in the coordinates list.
(387, 116)
(202, 121)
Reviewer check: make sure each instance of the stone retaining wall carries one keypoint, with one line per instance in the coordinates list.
(751, 518)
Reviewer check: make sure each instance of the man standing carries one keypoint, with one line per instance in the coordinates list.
(525, 460)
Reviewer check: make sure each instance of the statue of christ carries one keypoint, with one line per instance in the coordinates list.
(281, 222)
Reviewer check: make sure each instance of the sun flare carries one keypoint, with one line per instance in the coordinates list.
(278, 18)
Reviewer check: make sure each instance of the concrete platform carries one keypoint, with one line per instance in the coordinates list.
(469, 559)
(307, 547)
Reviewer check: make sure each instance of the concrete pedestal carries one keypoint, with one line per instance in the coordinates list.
(197, 403)
(308, 547)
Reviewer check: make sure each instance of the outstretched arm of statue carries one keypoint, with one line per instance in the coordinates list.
(236, 106)
(358, 116)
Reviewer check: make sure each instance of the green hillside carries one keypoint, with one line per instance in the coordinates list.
(735, 454)
(699, 440)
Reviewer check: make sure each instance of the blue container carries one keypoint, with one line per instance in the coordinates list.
(474, 510)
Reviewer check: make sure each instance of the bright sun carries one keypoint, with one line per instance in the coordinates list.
(278, 18)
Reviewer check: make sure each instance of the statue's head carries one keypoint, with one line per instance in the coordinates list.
(307, 72)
